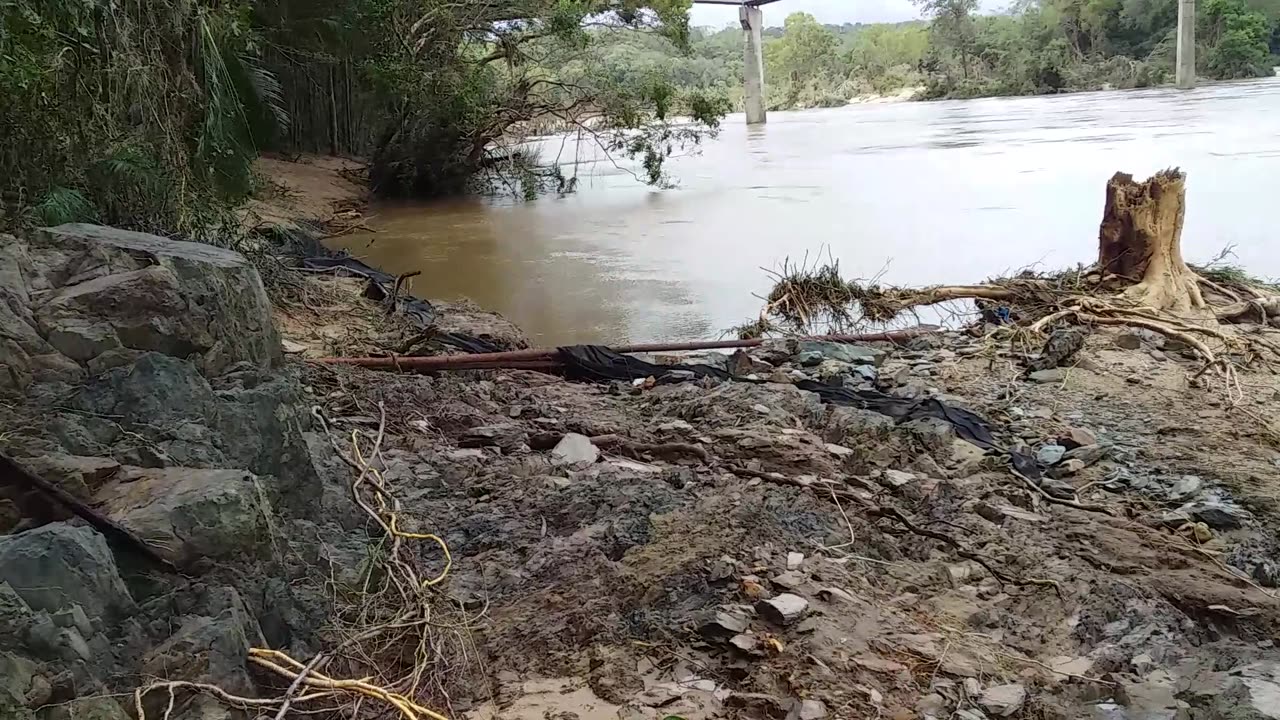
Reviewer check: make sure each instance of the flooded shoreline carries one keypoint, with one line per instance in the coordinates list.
(953, 191)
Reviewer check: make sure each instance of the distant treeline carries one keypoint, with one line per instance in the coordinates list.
(1041, 46)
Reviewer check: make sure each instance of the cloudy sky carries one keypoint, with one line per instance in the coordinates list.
(827, 11)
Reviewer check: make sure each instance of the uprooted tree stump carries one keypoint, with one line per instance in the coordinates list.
(1140, 239)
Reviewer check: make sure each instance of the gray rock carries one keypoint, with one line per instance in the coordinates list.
(811, 358)
(833, 368)
(1185, 487)
(1128, 341)
(898, 478)
(867, 372)
(574, 450)
(1066, 468)
(16, 675)
(1088, 454)
(723, 625)
(507, 436)
(209, 648)
(146, 292)
(1217, 515)
(188, 513)
(1003, 700)
(784, 609)
(78, 475)
(812, 710)
(853, 354)
(933, 706)
(1052, 375)
(56, 566)
(1050, 454)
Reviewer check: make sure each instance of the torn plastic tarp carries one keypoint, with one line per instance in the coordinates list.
(595, 363)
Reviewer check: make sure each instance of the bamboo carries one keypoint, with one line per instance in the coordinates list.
(549, 355)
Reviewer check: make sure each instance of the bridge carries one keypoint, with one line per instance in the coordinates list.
(753, 67)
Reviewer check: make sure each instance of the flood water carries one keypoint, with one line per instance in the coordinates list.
(918, 193)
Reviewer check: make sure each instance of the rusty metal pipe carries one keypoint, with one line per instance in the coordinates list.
(505, 359)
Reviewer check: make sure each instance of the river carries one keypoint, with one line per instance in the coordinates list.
(917, 193)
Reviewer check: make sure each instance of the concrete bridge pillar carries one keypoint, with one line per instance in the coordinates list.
(753, 84)
(1185, 74)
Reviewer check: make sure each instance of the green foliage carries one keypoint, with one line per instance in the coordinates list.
(1237, 38)
(139, 114)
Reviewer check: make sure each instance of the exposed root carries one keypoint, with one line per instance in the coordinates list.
(396, 628)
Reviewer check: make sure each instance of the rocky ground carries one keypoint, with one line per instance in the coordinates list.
(698, 549)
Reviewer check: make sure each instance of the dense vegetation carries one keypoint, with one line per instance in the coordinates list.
(1040, 46)
(149, 113)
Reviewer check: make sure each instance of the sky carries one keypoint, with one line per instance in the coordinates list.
(826, 11)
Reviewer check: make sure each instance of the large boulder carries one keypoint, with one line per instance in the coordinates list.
(188, 514)
(57, 565)
(94, 291)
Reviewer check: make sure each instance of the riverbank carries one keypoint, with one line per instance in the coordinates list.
(695, 547)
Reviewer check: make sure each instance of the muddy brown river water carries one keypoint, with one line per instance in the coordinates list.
(916, 192)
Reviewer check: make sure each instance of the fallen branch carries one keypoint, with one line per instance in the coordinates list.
(635, 449)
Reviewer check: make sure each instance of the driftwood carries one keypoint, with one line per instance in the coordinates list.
(15, 474)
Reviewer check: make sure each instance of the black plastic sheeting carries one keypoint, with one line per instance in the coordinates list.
(380, 286)
(594, 363)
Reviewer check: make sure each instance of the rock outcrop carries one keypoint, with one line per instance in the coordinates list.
(144, 377)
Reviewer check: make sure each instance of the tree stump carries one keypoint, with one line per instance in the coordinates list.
(1141, 240)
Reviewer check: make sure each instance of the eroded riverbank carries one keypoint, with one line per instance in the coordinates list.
(703, 549)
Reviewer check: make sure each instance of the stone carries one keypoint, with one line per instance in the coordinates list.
(1003, 700)
(56, 566)
(1050, 454)
(1078, 437)
(748, 643)
(210, 647)
(507, 437)
(808, 359)
(761, 409)
(723, 625)
(1052, 375)
(188, 513)
(147, 292)
(879, 664)
(839, 451)
(1142, 664)
(16, 676)
(55, 367)
(1217, 515)
(831, 594)
(784, 609)
(789, 580)
(933, 706)
(574, 450)
(898, 478)
(1066, 468)
(812, 710)
(78, 475)
(830, 369)
(1128, 341)
(844, 352)
(1185, 487)
(794, 560)
(1088, 454)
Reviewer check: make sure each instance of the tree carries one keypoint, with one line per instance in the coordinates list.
(1238, 39)
(952, 28)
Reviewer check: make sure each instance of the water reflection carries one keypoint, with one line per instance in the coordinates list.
(951, 191)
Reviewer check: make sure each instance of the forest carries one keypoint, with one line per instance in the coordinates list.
(1036, 47)
(149, 114)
